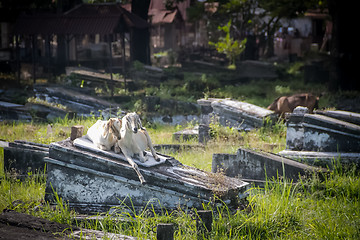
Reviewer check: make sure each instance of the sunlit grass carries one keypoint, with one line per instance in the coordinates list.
(40, 132)
(325, 207)
(14, 192)
(224, 139)
(319, 207)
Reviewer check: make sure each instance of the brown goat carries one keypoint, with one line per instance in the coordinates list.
(285, 104)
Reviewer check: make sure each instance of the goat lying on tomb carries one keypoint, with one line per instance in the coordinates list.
(286, 104)
(134, 140)
(105, 134)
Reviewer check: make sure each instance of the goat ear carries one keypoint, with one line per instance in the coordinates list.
(128, 123)
(107, 128)
(138, 121)
(140, 125)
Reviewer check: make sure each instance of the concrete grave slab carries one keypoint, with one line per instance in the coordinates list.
(257, 166)
(312, 132)
(12, 111)
(91, 181)
(82, 104)
(25, 157)
(234, 113)
(323, 159)
(346, 116)
(186, 134)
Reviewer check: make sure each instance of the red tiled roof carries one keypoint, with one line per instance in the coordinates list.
(84, 19)
(180, 5)
(163, 16)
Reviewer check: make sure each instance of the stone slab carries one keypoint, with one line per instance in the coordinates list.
(346, 116)
(10, 105)
(258, 166)
(82, 104)
(234, 113)
(25, 157)
(186, 134)
(323, 159)
(91, 181)
(313, 132)
(12, 111)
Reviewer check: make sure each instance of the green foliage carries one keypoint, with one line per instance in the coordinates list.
(138, 66)
(46, 103)
(219, 132)
(227, 45)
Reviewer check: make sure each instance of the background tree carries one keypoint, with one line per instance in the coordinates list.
(274, 10)
(344, 47)
(227, 45)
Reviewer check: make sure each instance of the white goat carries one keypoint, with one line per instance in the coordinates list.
(105, 134)
(134, 140)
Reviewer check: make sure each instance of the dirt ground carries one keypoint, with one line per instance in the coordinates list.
(19, 226)
(14, 225)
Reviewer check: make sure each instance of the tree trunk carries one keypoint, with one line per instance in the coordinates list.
(271, 28)
(344, 46)
(140, 42)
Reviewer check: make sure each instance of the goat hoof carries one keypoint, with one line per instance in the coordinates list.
(157, 159)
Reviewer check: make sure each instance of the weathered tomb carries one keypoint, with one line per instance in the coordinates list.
(12, 111)
(21, 157)
(346, 116)
(257, 166)
(234, 113)
(77, 102)
(92, 180)
(320, 139)
(325, 159)
(312, 132)
(186, 134)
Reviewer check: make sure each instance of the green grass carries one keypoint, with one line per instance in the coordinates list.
(319, 207)
(261, 92)
(16, 194)
(324, 206)
(39, 132)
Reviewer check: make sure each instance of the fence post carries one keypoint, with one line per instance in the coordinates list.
(76, 132)
(204, 134)
(165, 231)
(203, 223)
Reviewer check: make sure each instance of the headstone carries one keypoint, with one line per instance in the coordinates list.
(320, 140)
(204, 133)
